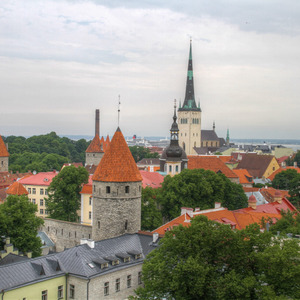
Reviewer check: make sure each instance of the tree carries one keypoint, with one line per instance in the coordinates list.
(19, 222)
(283, 179)
(289, 223)
(199, 188)
(139, 153)
(208, 260)
(64, 197)
(151, 215)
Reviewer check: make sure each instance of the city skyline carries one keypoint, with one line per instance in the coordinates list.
(61, 60)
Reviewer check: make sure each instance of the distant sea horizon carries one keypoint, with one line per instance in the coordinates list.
(289, 143)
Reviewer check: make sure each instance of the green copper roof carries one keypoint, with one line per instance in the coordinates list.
(189, 100)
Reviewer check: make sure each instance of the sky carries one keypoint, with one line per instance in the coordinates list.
(60, 60)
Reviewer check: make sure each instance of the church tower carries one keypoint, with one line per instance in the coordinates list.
(3, 156)
(94, 152)
(173, 160)
(117, 185)
(189, 115)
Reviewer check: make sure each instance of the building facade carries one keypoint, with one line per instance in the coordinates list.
(4, 155)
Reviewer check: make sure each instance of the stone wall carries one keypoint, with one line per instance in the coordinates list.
(3, 164)
(66, 234)
(96, 284)
(116, 209)
(93, 158)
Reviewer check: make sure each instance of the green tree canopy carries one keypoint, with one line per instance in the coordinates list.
(199, 188)
(289, 223)
(208, 260)
(64, 197)
(139, 153)
(19, 222)
(151, 214)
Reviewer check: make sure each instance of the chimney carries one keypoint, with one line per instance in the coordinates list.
(278, 197)
(155, 237)
(97, 128)
(217, 204)
(252, 202)
(283, 164)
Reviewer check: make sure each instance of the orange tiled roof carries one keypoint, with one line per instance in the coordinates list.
(95, 145)
(151, 179)
(16, 188)
(225, 158)
(272, 176)
(88, 187)
(212, 163)
(243, 175)
(184, 220)
(3, 150)
(117, 164)
(269, 193)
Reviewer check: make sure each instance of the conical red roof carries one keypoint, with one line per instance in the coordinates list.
(3, 150)
(95, 145)
(16, 188)
(117, 164)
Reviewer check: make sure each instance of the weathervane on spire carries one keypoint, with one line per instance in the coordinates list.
(119, 103)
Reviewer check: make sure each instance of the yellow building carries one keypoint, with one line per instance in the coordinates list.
(86, 213)
(36, 186)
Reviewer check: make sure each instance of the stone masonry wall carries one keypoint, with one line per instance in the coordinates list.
(93, 158)
(96, 284)
(3, 164)
(118, 211)
(66, 234)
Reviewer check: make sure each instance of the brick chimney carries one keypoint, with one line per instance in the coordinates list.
(278, 197)
(97, 123)
(252, 202)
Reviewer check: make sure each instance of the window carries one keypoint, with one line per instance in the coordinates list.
(72, 291)
(60, 291)
(98, 224)
(29, 190)
(90, 215)
(33, 201)
(46, 192)
(118, 285)
(170, 168)
(140, 278)
(62, 232)
(127, 189)
(34, 191)
(46, 212)
(108, 190)
(42, 202)
(128, 281)
(106, 288)
(90, 201)
(176, 168)
(44, 295)
(126, 225)
(41, 211)
(41, 191)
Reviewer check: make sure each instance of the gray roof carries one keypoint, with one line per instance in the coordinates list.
(209, 135)
(81, 261)
(46, 241)
(149, 161)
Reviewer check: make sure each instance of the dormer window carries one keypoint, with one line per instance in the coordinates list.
(115, 262)
(104, 265)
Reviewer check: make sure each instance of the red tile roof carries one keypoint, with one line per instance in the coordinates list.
(16, 188)
(88, 187)
(243, 175)
(282, 159)
(238, 218)
(117, 164)
(269, 193)
(272, 176)
(76, 165)
(7, 178)
(152, 179)
(43, 178)
(95, 146)
(225, 158)
(3, 149)
(212, 163)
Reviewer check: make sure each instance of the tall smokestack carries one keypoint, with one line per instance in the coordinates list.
(97, 128)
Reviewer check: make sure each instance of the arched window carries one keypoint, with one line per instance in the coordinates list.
(176, 168)
(183, 146)
(170, 168)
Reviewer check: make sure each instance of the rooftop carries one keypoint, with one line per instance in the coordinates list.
(42, 178)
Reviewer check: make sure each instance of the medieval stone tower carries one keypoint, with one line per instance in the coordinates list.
(117, 185)
(189, 115)
(3, 156)
(94, 152)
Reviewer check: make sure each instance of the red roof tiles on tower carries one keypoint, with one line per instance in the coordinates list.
(95, 145)
(3, 150)
(117, 164)
(16, 188)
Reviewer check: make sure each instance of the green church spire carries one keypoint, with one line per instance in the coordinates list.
(189, 100)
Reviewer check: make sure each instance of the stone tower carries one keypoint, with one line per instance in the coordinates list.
(173, 160)
(189, 115)
(94, 152)
(117, 185)
(3, 156)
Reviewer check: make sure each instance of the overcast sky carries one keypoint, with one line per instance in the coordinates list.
(60, 60)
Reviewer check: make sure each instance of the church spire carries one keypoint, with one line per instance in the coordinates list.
(174, 129)
(227, 137)
(189, 100)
